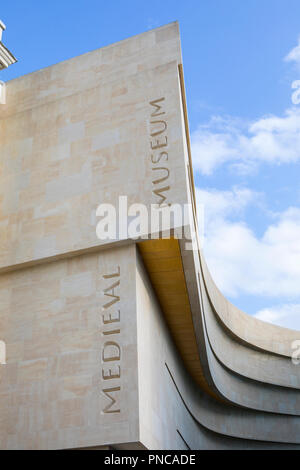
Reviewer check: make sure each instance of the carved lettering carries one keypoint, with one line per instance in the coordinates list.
(107, 375)
(157, 158)
(107, 392)
(111, 350)
(111, 289)
(114, 352)
(162, 196)
(159, 140)
(112, 332)
(158, 107)
(109, 276)
(160, 180)
(164, 127)
(110, 319)
(159, 144)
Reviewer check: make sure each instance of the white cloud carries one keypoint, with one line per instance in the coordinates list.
(243, 263)
(219, 205)
(271, 139)
(287, 315)
(294, 54)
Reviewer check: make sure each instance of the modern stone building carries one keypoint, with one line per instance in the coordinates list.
(123, 342)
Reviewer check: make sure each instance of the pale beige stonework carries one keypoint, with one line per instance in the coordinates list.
(78, 134)
(87, 323)
(52, 319)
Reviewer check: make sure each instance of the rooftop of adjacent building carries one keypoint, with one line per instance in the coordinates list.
(6, 57)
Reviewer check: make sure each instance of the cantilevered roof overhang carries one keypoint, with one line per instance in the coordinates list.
(240, 361)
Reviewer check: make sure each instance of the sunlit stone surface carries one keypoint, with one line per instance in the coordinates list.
(122, 343)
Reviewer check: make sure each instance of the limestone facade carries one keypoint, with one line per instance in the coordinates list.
(125, 342)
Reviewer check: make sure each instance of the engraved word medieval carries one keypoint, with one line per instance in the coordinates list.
(111, 350)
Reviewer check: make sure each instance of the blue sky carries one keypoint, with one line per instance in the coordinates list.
(240, 60)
